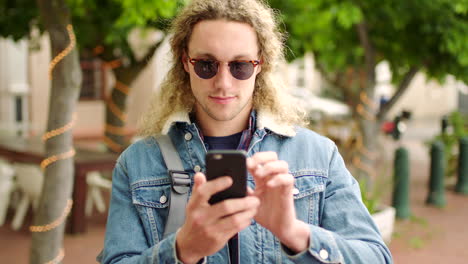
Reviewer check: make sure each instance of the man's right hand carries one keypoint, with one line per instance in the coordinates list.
(208, 228)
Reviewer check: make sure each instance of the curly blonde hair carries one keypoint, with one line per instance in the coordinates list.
(270, 94)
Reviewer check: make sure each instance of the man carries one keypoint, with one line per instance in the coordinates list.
(303, 205)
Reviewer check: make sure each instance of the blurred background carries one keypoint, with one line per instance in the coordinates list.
(387, 81)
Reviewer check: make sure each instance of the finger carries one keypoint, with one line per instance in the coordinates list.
(281, 180)
(233, 206)
(257, 192)
(209, 188)
(250, 191)
(271, 168)
(199, 179)
(237, 222)
(260, 158)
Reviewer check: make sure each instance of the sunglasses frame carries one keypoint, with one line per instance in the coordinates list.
(255, 63)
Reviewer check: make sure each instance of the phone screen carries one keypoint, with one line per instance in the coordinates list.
(227, 163)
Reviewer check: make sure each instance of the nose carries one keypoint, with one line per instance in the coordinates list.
(223, 79)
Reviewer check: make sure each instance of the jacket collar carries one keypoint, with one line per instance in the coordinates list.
(265, 120)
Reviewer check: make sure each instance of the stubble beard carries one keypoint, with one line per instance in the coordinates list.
(231, 115)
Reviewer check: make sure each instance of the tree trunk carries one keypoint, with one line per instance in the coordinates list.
(367, 134)
(58, 183)
(117, 102)
(402, 87)
(116, 108)
(367, 149)
(366, 110)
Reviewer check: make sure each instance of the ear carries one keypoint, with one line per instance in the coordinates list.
(259, 67)
(185, 62)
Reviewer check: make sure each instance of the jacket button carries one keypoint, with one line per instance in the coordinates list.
(197, 168)
(188, 136)
(295, 191)
(323, 254)
(163, 199)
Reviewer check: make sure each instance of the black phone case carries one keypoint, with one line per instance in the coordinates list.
(227, 163)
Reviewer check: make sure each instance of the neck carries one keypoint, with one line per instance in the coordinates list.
(215, 128)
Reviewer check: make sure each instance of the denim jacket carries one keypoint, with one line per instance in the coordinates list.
(326, 197)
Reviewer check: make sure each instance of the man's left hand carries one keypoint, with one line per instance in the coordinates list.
(274, 188)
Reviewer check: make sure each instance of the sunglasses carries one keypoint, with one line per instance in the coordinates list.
(240, 69)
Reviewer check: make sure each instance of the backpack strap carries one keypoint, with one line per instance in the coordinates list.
(180, 184)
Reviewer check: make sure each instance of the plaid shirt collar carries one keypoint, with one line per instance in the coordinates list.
(248, 133)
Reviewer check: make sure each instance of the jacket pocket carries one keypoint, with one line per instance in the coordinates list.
(151, 199)
(309, 187)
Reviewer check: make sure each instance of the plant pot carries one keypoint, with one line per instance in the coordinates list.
(384, 218)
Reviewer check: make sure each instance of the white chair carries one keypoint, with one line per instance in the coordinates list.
(96, 182)
(29, 179)
(7, 185)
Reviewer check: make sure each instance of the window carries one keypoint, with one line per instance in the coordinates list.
(94, 79)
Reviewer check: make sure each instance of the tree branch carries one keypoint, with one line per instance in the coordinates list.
(149, 55)
(337, 81)
(402, 87)
(128, 74)
(369, 50)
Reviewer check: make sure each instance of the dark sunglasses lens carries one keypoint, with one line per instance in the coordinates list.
(241, 70)
(206, 69)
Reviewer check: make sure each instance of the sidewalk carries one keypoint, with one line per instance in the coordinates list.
(432, 235)
(79, 249)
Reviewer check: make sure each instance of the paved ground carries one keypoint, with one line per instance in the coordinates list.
(432, 235)
(79, 249)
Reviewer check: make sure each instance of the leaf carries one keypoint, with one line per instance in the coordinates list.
(431, 35)
(348, 15)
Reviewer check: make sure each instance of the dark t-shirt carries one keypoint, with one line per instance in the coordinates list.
(227, 142)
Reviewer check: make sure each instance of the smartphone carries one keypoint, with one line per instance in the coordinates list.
(227, 163)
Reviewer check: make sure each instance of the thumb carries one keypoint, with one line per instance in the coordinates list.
(250, 191)
(199, 179)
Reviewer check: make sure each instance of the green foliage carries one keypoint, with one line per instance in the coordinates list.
(105, 23)
(432, 34)
(324, 27)
(370, 199)
(420, 221)
(417, 242)
(457, 130)
(372, 190)
(16, 18)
